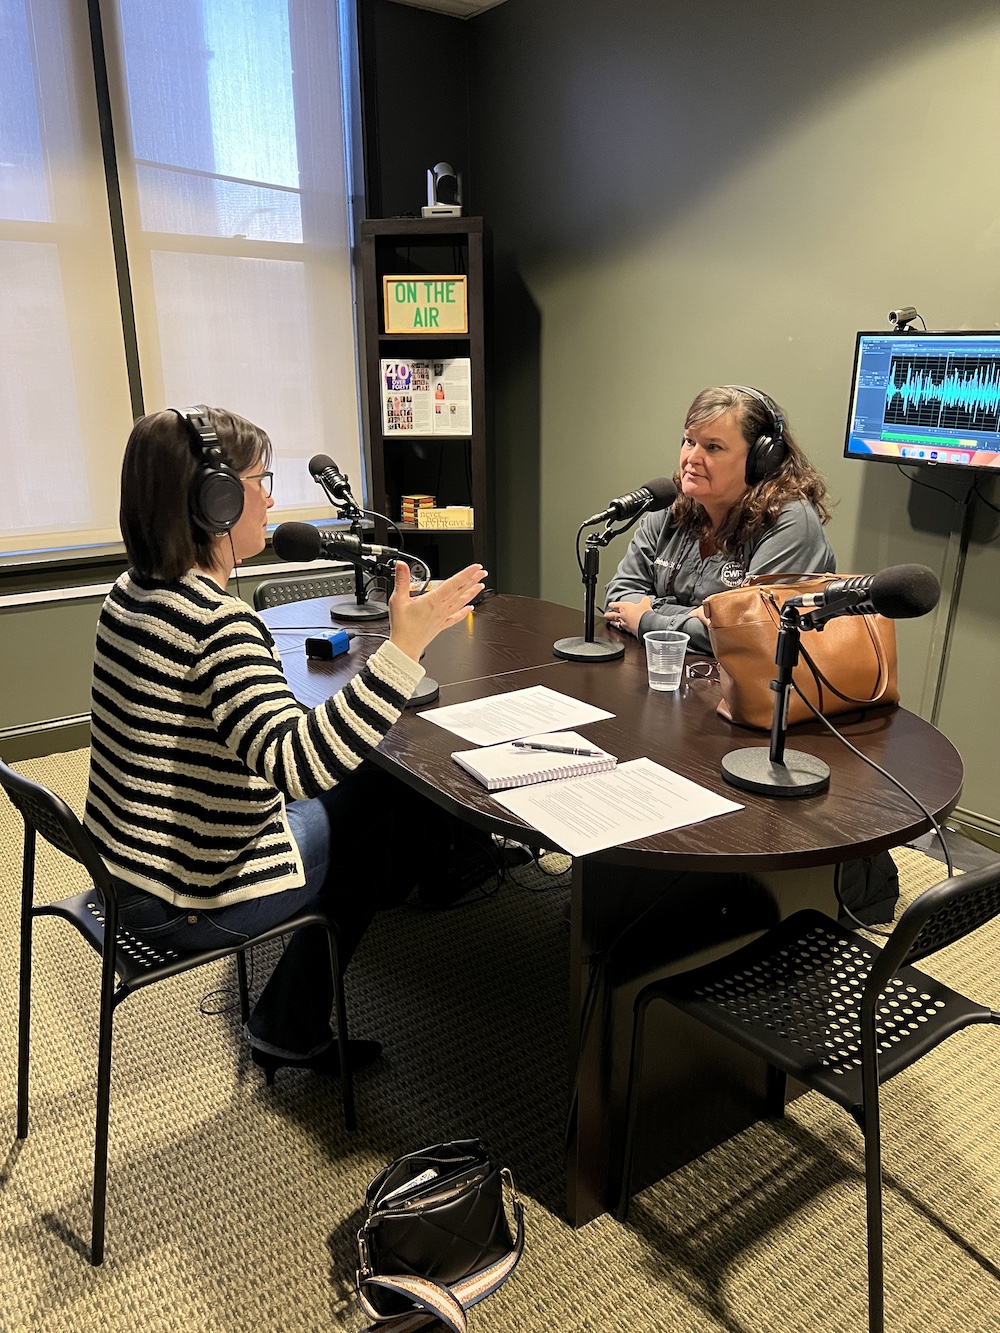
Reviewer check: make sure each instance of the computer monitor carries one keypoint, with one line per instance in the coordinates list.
(926, 398)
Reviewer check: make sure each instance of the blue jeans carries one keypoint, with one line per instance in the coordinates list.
(335, 834)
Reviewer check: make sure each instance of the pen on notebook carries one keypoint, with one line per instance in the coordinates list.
(556, 749)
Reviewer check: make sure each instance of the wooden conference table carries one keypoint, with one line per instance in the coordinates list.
(661, 904)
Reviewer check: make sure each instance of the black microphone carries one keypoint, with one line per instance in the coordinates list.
(900, 593)
(302, 542)
(328, 475)
(655, 495)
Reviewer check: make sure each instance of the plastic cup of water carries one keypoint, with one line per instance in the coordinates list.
(665, 649)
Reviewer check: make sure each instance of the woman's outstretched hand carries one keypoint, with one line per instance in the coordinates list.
(415, 621)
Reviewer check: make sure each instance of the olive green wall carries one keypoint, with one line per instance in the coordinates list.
(699, 194)
(46, 654)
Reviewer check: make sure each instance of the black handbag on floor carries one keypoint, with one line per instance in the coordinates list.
(435, 1239)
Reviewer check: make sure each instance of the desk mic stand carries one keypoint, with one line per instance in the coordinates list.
(357, 607)
(777, 771)
(588, 648)
(428, 689)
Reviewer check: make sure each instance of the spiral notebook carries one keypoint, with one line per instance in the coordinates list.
(499, 767)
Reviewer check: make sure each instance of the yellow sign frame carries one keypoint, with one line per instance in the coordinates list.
(425, 303)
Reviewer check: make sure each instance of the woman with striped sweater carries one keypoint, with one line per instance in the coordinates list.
(219, 802)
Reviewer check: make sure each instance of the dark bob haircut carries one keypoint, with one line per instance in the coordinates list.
(161, 458)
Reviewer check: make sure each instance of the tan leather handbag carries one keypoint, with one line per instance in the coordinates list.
(847, 665)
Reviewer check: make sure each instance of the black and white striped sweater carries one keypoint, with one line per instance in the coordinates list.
(196, 739)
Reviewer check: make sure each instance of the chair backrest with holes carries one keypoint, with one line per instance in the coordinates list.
(48, 814)
(278, 592)
(940, 916)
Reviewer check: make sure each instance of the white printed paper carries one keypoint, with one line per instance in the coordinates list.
(513, 715)
(635, 800)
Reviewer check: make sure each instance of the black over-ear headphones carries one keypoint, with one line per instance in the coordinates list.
(215, 499)
(767, 453)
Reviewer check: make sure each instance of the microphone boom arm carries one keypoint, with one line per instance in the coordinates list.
(349, 508)
(605, 537)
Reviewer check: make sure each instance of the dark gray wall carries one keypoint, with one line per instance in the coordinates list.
(695, 194)
(415, 102)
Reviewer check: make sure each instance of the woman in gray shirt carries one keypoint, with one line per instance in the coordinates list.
(749, 502)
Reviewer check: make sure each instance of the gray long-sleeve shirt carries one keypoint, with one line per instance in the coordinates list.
(666, 565)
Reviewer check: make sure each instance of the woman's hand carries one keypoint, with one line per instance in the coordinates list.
(415, 621)
(626, 615)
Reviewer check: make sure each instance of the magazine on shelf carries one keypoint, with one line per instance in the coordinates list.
(427, 397)
(499, 767)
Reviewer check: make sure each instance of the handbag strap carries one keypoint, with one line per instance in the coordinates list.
(882, 679)
(434, 1301)
(881, 683)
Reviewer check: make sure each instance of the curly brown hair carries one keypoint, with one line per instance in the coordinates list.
(757, 509)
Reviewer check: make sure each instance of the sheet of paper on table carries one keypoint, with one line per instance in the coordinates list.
(635, 800)
(516, 713)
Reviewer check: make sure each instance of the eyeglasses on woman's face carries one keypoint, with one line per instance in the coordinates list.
(263, 479)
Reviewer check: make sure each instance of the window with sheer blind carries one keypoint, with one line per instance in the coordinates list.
(231, 166)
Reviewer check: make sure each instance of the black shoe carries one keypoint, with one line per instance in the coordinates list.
(327, 1062)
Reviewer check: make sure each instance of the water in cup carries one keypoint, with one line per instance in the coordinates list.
(665, 680)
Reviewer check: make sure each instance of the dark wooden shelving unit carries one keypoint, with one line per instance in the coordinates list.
(457, 471)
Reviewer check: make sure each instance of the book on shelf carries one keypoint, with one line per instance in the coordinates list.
(499, 767)
(460, 517)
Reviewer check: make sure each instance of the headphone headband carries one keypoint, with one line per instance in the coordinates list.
(767, 403)
(768, 452)
(197, 418)
(215, 499)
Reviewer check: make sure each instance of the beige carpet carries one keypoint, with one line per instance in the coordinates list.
(233, 1206)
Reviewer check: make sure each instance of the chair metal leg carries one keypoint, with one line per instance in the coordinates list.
(873, 1174)
(103, 1111)
(632, 1106)
(777, 1082)
(24, 986)
(873, 1206)
(340, 1009)
(244, 988)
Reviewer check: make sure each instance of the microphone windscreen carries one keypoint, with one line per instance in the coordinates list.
(905, 591)
(663, 491)
(296, 541)
(319, 463)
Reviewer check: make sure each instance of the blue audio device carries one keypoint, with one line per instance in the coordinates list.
(325, 647)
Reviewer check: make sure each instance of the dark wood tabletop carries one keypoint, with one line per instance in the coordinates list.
(506, 644)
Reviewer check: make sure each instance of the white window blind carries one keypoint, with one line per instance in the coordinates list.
(230, 139)
(64, 394)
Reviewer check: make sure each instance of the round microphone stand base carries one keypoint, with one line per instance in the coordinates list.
(754, 770)
(580, 649)
(425, 693)
(349, 608)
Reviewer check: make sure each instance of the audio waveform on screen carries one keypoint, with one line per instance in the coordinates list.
(945, 392)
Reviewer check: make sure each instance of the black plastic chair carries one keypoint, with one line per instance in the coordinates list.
(95, 915)
(836, 1012)
(277, 592)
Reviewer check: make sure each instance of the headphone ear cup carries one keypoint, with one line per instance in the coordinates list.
(216, 495)
(764, 458)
